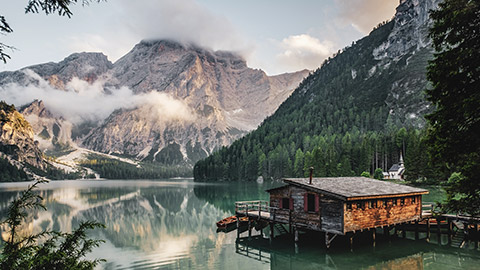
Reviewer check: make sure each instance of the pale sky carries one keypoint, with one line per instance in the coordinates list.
(274, 35)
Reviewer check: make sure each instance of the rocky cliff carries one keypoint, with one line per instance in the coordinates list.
(185, 100)
(52, 133)
(16, 139)
(225, 99)
(370, 92)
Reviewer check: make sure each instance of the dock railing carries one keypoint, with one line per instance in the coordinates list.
(427, 209)
(252, 207)
(262, 210)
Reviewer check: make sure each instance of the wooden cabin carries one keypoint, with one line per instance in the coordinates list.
(344, 204)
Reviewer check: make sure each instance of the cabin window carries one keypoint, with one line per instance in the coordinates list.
(285, 203)
(359, 205)
(394, 202)
(372, 204)
(384, 203)
(349, 206)
(402, 201)
(414, 200)
(311, 202)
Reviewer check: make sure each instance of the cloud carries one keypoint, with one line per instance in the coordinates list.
(164, 107)
(184, 21)
(366, 14)
(303, 51)
(82, 101)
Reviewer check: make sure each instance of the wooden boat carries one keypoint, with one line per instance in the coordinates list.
(226, 222)
(243, 219)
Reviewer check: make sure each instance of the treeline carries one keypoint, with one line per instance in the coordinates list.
(10, 173)
(337, 121)
(330, 155)
(116, 169)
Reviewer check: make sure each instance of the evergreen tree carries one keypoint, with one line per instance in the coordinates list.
(454, 132)
(57, 250)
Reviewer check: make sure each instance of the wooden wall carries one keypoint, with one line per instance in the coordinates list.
(329, 216)
(364, 218)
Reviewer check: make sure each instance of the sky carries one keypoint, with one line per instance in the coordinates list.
(276, 36)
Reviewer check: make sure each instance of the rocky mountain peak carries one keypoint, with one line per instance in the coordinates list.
(16, 138)
(37, 108)
(217, 89)
(410, 31)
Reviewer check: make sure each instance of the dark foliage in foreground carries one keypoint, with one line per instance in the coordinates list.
(48, 249)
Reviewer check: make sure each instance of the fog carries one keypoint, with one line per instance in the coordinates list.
(82, 101)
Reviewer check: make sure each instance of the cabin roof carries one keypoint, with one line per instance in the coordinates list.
(355, 188)
(280, 187)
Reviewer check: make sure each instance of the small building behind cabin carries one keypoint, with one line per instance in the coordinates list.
(344, 204)
(397, 170)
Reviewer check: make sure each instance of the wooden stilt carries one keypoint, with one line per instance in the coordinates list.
(272, 233)
(374, 232)
(238, 227)
(290, 221)
(351, 242)
(428, 230)
(296, 234)
(416, 230)
(328, 239)
(439, 232)
(475, 236)
(249, 229)
(450, 231)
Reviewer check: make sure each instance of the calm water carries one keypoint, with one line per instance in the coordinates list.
(171, 225)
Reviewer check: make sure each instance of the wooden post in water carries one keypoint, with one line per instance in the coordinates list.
(476, 236)
(238, 227)
(439, 232)
(450, 231)
(351, 241)
(249, 229)
(416, 230)
(296, 234)
(290, 221)
(374, 231)
(428, 229)
(272, 233)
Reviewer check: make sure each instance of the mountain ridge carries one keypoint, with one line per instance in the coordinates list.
(357, 112)
(219, 98)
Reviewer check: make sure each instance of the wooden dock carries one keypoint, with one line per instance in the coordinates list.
(460, 229)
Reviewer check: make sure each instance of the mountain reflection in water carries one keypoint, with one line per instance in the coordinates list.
(170, 224)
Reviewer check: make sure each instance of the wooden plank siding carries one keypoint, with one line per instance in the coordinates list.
(365, 217)
(328, 217)
(345, 212)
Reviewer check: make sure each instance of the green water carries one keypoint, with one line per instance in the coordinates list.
(170, 224)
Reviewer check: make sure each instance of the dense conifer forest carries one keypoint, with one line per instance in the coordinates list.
(336, 121)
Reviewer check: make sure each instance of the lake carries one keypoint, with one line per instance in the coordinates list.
(170, 224)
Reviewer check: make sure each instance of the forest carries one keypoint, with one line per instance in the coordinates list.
(338, 121)
(116, 169)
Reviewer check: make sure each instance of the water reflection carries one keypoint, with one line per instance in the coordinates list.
(149, 224)
(398, 254)
(171, 225)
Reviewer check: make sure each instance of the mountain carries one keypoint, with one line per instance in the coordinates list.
(17, 146)
(53, 134)
(185, 101)
(224, 97)
(357, 112)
